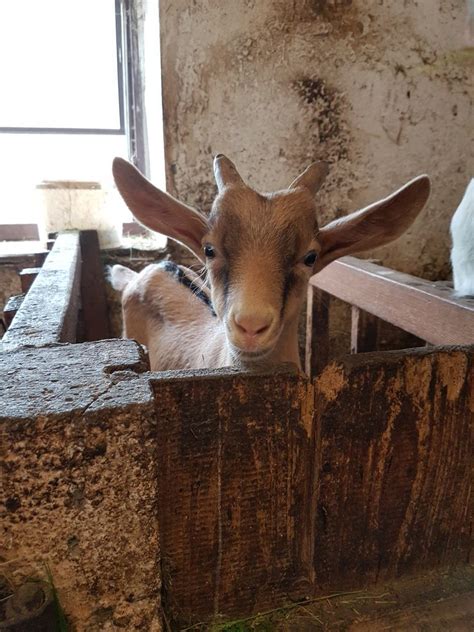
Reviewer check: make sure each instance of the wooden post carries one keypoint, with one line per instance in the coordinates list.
(235, 508)
(95, 318)
(364, 331)
(317, 331)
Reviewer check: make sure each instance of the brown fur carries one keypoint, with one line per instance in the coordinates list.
(257, 276)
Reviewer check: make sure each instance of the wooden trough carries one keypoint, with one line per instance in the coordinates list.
(223, 493)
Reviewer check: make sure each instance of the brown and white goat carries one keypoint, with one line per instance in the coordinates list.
(259, 251)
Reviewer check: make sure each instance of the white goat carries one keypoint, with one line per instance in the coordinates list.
(462, 253)
(259, 251)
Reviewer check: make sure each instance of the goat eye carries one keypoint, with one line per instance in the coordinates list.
(310, 258)
(209, 251)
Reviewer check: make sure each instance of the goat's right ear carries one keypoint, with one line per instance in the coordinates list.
(159, 211)
(312, 177)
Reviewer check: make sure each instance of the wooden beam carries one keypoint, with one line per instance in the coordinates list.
(317, 331)
(28, 258)
(235, 473)
(19, 232)
(49, 312)
(133, 228)
(95, 317)
(427, 310)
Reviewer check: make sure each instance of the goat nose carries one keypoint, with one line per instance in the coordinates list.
(253, 324)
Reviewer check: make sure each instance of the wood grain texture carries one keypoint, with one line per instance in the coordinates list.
(95, 318)
(428, 310)
(235, 481)
(317, 330)
(274, 486)
(395, 446)
(364, 331)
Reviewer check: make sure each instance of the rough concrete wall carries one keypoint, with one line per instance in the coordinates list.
(378, 88)
(78, 481)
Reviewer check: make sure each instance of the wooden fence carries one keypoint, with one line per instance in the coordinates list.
(261, 487)
(428, 310)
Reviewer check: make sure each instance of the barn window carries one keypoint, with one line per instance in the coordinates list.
(72, 100)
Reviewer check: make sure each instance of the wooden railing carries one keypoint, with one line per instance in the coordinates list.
(426, 309)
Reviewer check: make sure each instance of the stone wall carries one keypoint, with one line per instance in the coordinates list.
(78, 481)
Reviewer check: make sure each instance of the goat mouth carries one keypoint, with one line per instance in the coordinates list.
(251, 356)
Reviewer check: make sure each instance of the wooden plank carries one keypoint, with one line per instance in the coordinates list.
(234, 474)
(49, 312)
(455, 614)
(94, 303)
(425, 602)
(364, 331)
(272, 485)
(317, 331)
(427, 310)
(133, 228)
(27, 276)
(19, 232)
(11, 308)
(30, 258)
(394, 460)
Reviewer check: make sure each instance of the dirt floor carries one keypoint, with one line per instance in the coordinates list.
(425, 603)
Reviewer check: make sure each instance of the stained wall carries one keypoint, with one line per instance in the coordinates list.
(378, 88)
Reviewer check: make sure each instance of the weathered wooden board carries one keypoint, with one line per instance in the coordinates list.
(49, 312)
(425, 602)
(234, 479)
(428, 310)
(317, 330)
(395, 458)
(95, 318)
(269, 488)
(364, 331)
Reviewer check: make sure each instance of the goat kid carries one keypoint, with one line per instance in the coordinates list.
(258, 250)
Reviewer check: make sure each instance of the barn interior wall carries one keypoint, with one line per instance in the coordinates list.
(377, 88)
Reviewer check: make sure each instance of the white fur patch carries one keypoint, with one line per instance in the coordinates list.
(120, 277)
(462, 254)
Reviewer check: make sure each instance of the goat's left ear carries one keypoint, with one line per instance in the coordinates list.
(375, 225)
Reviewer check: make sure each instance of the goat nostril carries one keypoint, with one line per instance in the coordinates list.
(251, 325)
